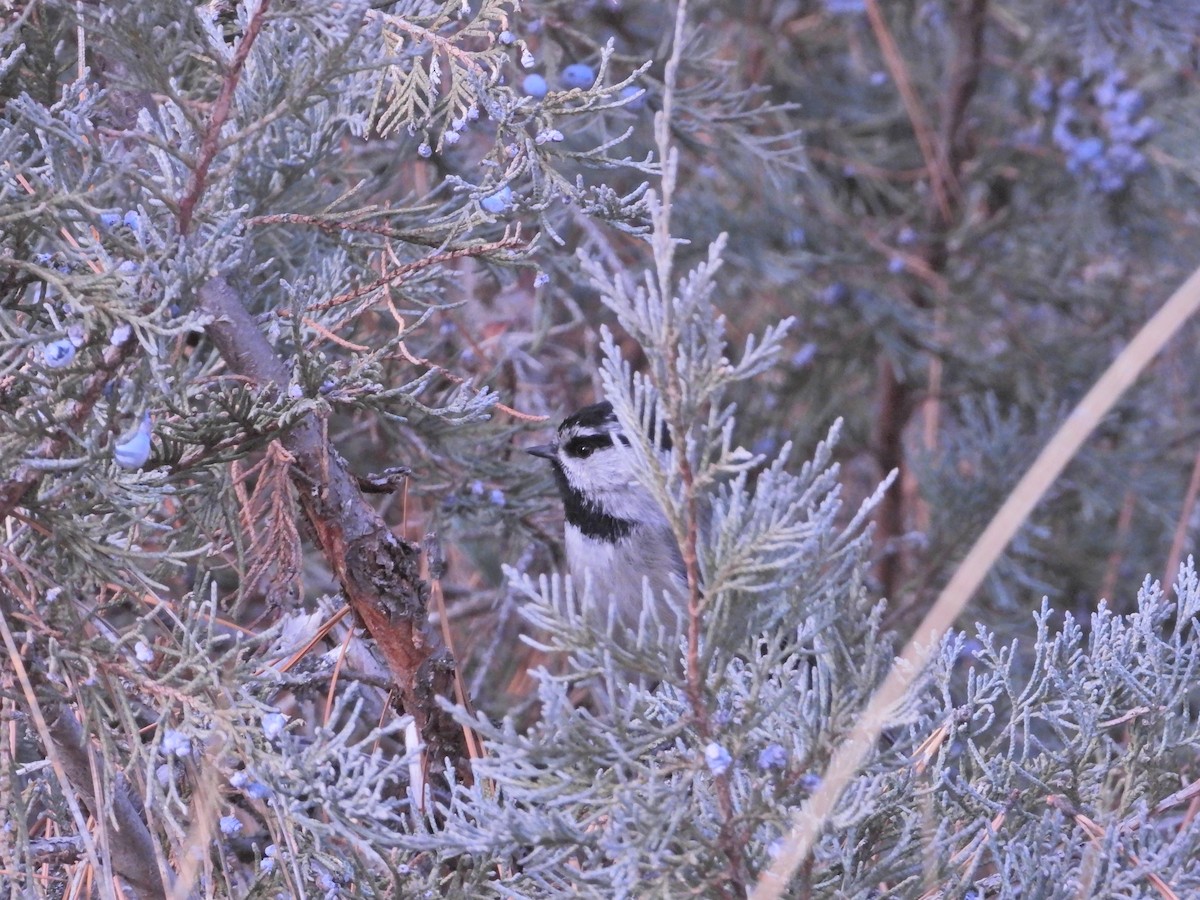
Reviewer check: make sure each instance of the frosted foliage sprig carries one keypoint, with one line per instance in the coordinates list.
(446, 62)
(1008, 766)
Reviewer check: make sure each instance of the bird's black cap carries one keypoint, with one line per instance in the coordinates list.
(595, 416)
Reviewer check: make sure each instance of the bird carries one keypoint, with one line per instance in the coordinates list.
(617, 537)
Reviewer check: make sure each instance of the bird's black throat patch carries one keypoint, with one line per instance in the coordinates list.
(585, 515)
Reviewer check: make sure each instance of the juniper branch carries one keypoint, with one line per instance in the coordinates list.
(377, 571)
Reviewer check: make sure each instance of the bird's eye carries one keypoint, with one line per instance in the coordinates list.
(584, 446)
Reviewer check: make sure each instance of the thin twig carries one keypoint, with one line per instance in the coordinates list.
(67, 236)
(319, 635)
(330, 336)
(1112, 567)
(1094, 831)
(1183, 525)
(508, 242)
(730, 840)
(458, 379)
(966, 66)
(211, 142)
(338, 225)
(861, 167)
(460, 690)
(331, 694)
(912, 104)
(37, 717)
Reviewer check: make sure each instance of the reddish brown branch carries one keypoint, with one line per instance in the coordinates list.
(912, 104)
(895, 401)
(965, 67)
(378, 572)
(212, 137)
(730, 838)
(893, 406)
(1182, 525)
(511, 241)
(337, 225)
(399, 273)
(1112, 568)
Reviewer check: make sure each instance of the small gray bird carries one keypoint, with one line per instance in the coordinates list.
(616, 533)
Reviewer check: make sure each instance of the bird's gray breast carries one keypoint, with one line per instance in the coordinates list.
(618, 570)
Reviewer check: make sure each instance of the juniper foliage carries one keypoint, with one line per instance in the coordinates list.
(280, 287)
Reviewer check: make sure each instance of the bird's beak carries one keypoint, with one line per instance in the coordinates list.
(545, 451)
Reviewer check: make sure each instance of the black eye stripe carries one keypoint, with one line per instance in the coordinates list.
(585, 445)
